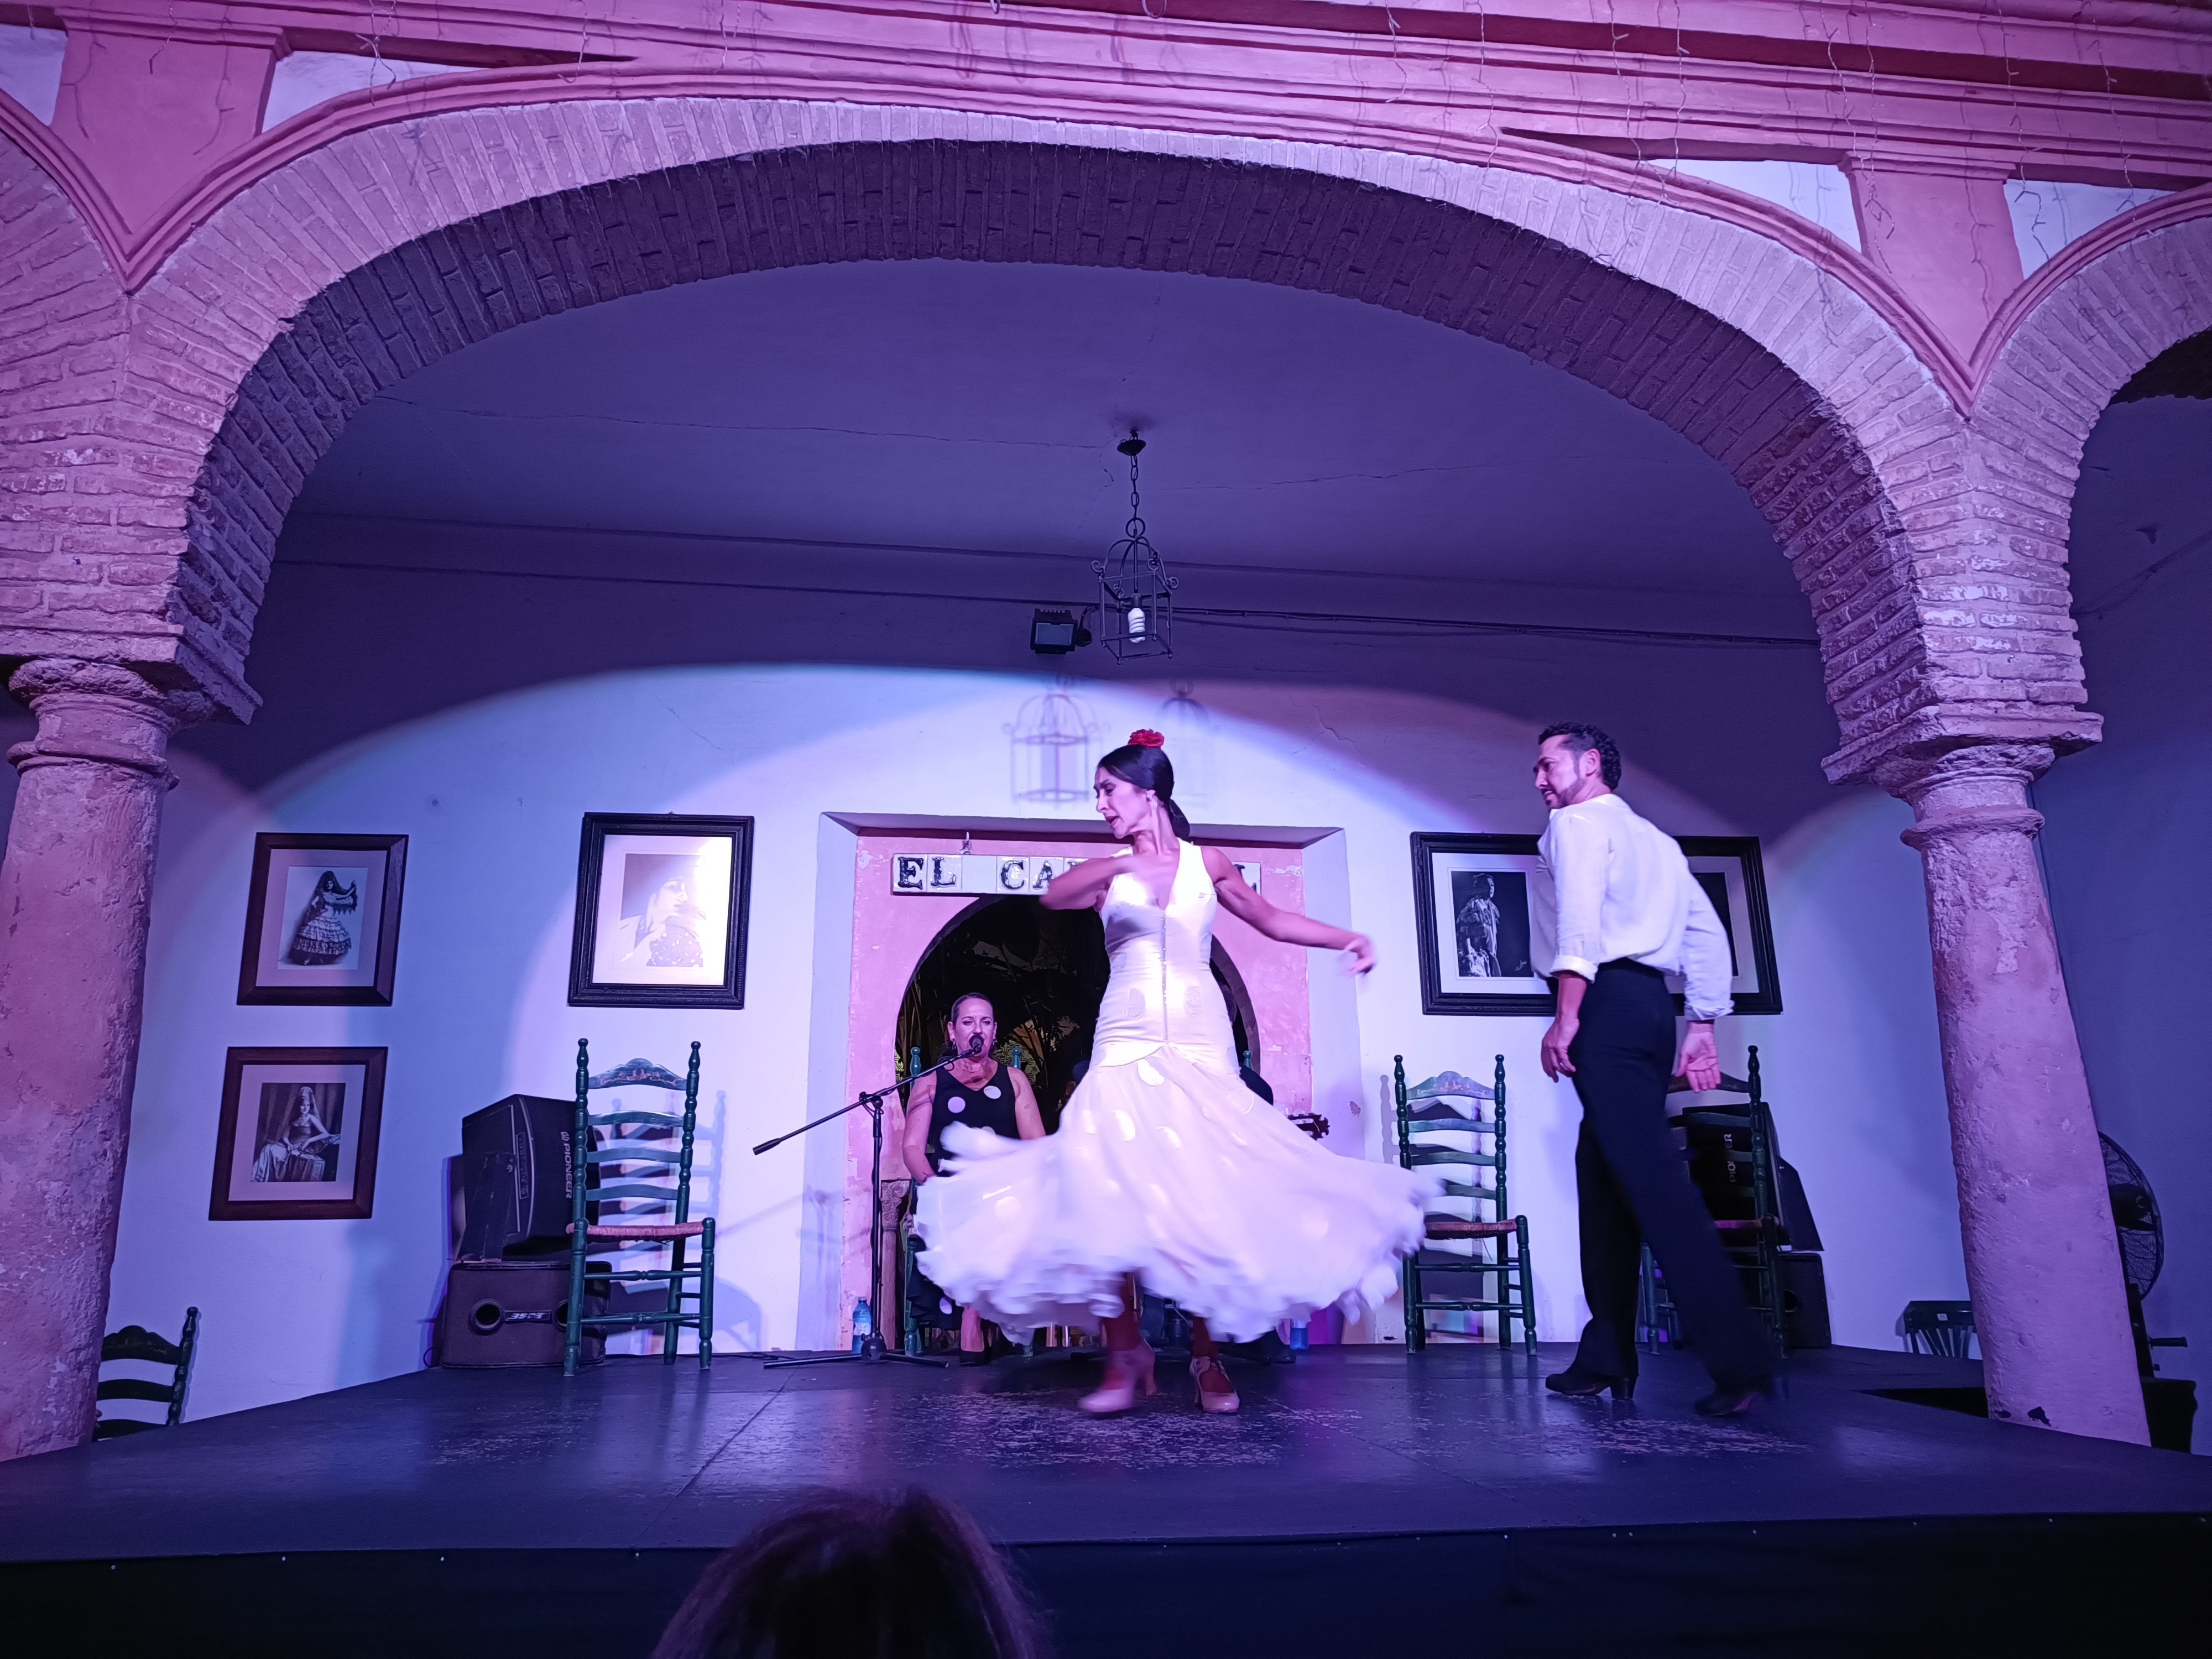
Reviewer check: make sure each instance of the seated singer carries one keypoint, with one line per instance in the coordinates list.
(981, 1091)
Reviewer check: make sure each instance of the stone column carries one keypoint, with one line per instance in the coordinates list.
(2042, 1260)
(74, 892)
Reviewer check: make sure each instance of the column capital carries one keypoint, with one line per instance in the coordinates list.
(1974, 789)
(102, 714)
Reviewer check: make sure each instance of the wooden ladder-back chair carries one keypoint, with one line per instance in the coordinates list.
(1450, 1105)
(591, 1162)
(1730, 1150)
(137, 1342)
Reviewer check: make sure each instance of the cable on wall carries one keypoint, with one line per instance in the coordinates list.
(1349, 623)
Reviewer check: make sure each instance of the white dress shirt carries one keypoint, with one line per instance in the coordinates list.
(1625, 890)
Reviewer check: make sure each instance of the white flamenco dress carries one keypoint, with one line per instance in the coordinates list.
(1165, 1165)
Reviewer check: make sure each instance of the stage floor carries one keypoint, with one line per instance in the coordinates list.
(1348, 1479)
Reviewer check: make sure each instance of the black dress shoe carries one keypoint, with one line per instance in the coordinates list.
(1735, 1401)
(1588, 1385)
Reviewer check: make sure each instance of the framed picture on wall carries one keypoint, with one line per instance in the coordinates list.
(662, 905)
(1728, 868)
(297, 1140)
(1482, 908)
(322, 920)
(1484, 911)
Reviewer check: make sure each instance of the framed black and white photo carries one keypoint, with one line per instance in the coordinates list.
(1484, 912)
(322, 920)
(662, 911)
(297, 1140)
(1728, 868)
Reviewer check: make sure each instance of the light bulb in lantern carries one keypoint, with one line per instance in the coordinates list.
(1136, 621)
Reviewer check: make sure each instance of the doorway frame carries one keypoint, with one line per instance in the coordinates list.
(841, 1060)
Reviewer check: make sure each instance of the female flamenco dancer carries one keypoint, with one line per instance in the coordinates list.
(1165, 1168)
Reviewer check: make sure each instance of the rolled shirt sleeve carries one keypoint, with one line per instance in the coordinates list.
(1575, 848)
(1707, 966)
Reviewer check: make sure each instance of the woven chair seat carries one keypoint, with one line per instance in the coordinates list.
(645, 1230)
(1445, 1226)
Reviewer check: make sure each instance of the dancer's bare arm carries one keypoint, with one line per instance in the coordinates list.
(1080, 886)
(1286, 926)
(1027, 1118)
(914, 1144)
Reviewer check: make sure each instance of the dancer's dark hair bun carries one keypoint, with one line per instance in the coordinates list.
(1144, 762)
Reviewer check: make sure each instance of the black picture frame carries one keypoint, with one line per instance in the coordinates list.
(1753, 933)
(1508, 855)
(1733, 861)
(595, 981)
(264, 975)
(353, 1196)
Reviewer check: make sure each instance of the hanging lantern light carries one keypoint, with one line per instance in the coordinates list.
(1136, 595)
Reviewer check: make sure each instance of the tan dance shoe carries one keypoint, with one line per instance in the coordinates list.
(1128, 1373)
(1216, 1393)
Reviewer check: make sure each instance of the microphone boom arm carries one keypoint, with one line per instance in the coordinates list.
(874, 1098)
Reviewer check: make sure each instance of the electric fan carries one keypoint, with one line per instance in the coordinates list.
(2135, 1213)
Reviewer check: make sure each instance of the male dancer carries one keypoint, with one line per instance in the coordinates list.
(1629, 915)
(979, 1091)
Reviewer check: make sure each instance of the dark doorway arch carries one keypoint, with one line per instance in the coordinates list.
(1045, 972)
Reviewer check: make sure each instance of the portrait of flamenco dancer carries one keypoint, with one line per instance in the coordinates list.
(1166, 1170)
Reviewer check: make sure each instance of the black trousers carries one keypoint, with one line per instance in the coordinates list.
(1634, 1188)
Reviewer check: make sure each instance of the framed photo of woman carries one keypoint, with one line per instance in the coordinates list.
(297, 1135)
(662, 905)
(322, 920)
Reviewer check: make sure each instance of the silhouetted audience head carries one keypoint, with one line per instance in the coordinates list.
(849, 1576)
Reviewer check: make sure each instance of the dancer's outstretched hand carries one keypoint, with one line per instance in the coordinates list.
(1359, 954)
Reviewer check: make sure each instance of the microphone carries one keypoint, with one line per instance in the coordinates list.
(974, 1046)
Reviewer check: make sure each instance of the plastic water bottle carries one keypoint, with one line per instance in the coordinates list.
(864, 1324)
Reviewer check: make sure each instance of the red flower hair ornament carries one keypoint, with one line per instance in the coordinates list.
(1147, 739)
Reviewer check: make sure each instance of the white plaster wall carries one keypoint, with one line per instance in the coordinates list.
(302, 80)
(2123, 843)
(31, 67)
(1852, 1064)
(491, 792)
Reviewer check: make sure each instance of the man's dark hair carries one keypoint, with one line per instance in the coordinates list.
(847, 1574)
(1580, 740)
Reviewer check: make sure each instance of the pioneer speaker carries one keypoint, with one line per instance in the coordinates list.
(516, 1172)
(511, 1313)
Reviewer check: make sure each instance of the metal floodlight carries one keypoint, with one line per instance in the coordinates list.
(1136, 594)
(1057, 633)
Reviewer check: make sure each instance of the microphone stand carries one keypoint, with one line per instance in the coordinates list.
(874, 1348)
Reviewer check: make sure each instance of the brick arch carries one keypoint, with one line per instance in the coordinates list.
(351, 267)
(71, 583)
(2126, 297)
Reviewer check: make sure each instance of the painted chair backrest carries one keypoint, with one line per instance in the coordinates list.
(628, 1164)
(1473, 1114)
